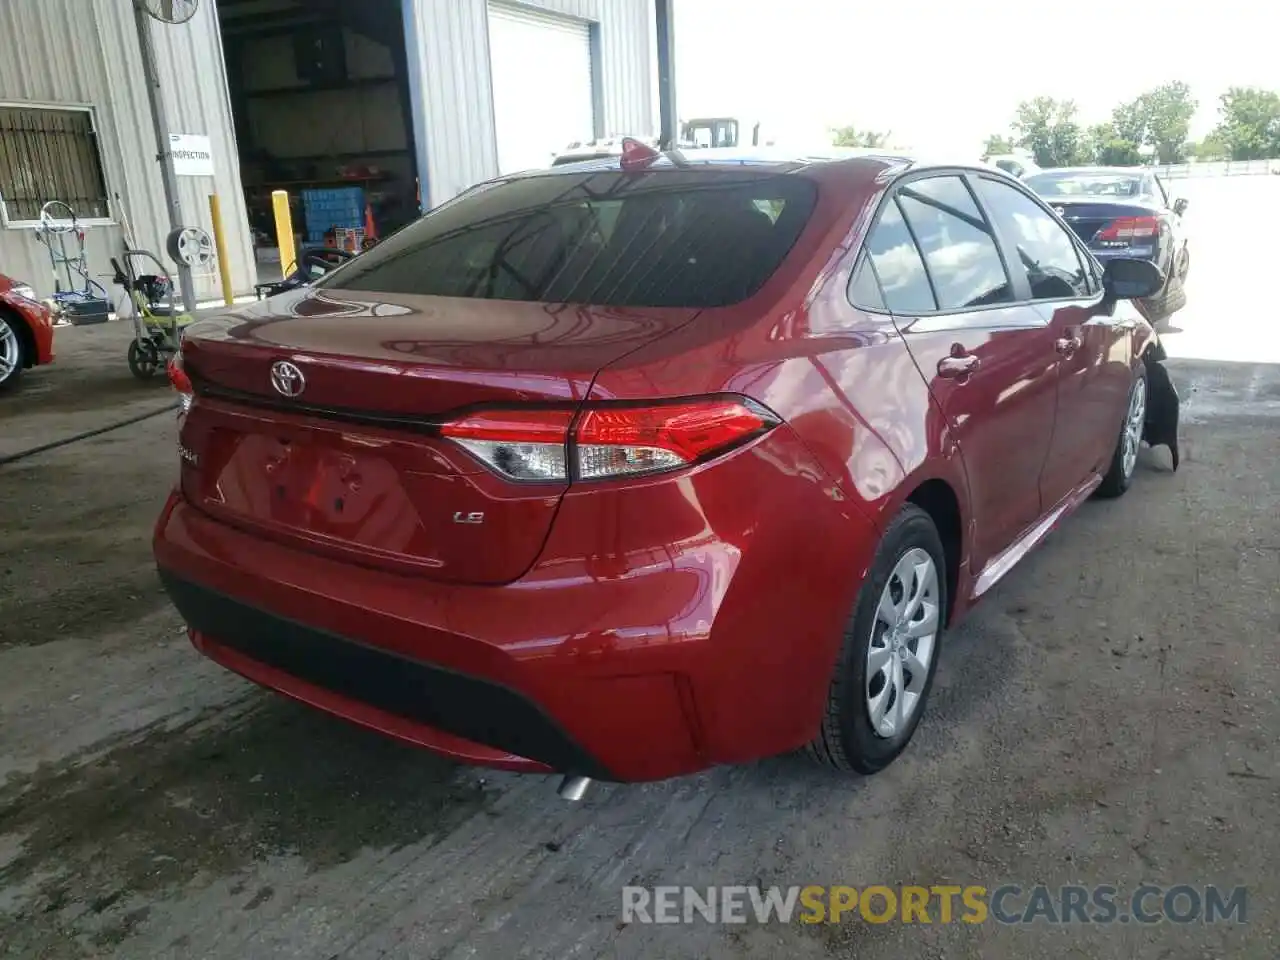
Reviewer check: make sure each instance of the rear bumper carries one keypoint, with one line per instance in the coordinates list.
(668, 626)
(635, 665)
(377, 688)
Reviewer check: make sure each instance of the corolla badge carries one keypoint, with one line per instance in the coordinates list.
(287, 378)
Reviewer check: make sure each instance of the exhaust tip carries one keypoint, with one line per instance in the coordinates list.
(573, 788)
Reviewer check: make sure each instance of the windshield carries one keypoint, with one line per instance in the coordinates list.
(1085, 184)
(656, 239)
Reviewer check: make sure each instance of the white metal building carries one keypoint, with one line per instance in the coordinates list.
(457, 91)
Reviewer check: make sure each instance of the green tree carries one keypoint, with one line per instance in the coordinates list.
(1110, 149)
(1250, 126)
(1158, 119)
(1048, 128)
(997, 145)
(853, 137)
(1211, 147)
(1169, 111)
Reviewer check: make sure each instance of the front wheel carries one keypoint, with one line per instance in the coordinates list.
(1125, 458)
(12, 355)
(890, 651)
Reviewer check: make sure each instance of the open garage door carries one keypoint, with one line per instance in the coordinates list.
(542, 96)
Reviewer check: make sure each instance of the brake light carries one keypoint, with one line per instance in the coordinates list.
(618, 441)
(1128, 228)
(519, 444)
(180, 381)
(609, 440)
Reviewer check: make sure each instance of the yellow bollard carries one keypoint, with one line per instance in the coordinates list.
(220, 244)
(284, 232)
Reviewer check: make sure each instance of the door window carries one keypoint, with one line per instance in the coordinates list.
(1047, 252)
(959, 249)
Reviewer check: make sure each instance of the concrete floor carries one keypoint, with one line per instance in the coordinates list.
(1107, 715)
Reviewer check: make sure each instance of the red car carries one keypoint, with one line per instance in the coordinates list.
(26, 331)
(646, 464)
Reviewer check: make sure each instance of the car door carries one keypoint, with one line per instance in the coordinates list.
(1093, 370)
(1170, 212)
(986, 354)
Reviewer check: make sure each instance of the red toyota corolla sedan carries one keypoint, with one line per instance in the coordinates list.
(26, 331)
(646, 464)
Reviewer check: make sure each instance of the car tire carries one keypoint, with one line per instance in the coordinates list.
(13, 351)
(1124, 460)
(852, 738)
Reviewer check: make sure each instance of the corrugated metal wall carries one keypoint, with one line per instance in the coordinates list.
(448, 49)
(86, 52)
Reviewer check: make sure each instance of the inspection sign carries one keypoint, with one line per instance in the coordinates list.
(192, 155)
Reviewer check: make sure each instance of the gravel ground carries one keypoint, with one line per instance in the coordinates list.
(1107, 715)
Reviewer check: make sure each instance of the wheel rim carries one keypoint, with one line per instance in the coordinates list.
(9, 358)
(1133, 423)
(903, 641)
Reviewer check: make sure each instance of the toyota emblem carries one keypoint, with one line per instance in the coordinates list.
(287, 378)
(1060, 211)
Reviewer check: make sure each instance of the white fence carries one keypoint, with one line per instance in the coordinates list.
(1216, 168)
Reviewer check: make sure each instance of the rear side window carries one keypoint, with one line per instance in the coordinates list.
(657, 239)
(898, 265)
(1045, 248)
(864, 290)
(959, 249)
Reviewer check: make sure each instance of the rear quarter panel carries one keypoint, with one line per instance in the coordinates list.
(842, 380)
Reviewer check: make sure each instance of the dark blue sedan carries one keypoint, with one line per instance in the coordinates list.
(1123, 212)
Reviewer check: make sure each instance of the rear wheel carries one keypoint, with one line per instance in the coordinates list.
(1125, 459)
(13, 358)
(890, 651)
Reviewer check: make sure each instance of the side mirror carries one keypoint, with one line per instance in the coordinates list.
(1125, 278)
(1180, 206)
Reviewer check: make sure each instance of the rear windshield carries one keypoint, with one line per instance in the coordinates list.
(654, 239)
(1085, 184)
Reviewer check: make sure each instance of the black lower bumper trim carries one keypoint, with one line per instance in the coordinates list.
(477, 710)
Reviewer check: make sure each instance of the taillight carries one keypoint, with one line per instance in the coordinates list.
(619, 441)
(519, 444)
(180, 381)
(609, 440)
(1128, 228)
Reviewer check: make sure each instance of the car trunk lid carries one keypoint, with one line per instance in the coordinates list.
(1090, 216)
(344, 457)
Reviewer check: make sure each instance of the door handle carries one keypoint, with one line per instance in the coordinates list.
(1067, 345)
(957, 368)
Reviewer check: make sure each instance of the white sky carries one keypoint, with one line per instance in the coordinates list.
(942, 74)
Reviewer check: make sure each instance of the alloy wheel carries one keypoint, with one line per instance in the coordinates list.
(10, 350)
(903, 642)
(1133, 424)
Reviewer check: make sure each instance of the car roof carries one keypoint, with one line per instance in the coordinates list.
(869, 162)
(1119, 171)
